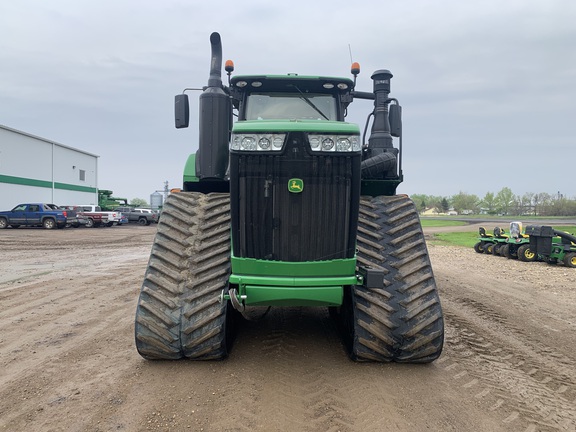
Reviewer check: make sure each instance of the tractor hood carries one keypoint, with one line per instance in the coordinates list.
(315, 126)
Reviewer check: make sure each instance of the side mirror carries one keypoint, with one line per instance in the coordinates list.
(395, 119)
(181, 111)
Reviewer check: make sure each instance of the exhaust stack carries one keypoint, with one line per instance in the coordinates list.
(215, 121)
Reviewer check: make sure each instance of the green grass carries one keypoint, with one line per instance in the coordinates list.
(469, 238)
(569, 229)
(440, 223)
(465, 239)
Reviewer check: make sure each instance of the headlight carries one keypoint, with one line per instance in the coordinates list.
(334, 143)
(343, 144)
(327, 144)
(257, 142)
(264, 143)
(315, 143)
(248, 143)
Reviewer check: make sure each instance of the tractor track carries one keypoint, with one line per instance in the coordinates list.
(68, 360)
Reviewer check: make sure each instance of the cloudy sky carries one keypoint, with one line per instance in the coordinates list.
(488, 88)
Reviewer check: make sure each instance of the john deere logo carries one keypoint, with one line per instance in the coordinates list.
(295, 185)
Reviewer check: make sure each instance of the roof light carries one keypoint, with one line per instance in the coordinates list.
(355, 68)
(241, 84)
(256, 84)
(328, 86)
(229, 66)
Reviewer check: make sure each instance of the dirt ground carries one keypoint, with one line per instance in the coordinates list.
(68, 360)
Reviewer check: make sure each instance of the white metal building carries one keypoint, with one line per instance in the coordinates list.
(34, 169)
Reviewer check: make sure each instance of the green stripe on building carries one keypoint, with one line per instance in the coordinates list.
(72, 187)
(45, 184)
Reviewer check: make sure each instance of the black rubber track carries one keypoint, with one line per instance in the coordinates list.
(403, 320)
(178, 313)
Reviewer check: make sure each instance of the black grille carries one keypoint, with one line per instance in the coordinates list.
(272, 223)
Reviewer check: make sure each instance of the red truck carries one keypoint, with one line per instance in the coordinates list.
(90, 218)
(114, 217)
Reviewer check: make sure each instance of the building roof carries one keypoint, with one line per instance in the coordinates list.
(47, 140)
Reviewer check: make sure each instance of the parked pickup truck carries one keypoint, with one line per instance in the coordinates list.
(72, 218)
(88, 218)
(139, 215)
(114, 217)
(48, 216)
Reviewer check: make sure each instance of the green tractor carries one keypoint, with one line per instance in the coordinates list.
(490, 243)
(517, 245)
(551, 245)
(107, 202)
(485, 241)
(500, 239)
(288, 206)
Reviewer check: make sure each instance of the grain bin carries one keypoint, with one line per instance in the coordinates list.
(156, 200)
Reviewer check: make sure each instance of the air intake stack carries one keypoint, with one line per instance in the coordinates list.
(380, 159)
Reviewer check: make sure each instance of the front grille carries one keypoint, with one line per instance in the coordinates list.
(269, 222)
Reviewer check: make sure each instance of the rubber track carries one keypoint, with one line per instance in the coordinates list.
(178, 313)
(402, 321)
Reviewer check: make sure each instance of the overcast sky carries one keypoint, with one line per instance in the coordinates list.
(488, 88)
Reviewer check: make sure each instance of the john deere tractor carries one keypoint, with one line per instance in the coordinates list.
(517, 245)
(290, 206)
(553, 245)
(488, 243)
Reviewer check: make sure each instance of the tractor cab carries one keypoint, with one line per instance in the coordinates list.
(290, 97)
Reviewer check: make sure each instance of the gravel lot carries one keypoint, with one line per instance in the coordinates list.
(68, 361)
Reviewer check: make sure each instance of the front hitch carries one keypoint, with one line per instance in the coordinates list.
(236, 299)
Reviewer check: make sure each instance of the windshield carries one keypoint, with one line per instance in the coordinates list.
(290, 106)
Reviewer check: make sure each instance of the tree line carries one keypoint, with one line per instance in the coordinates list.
(505, 203)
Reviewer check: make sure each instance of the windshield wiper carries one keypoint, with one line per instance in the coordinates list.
(309, 102)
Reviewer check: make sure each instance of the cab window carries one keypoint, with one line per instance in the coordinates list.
(291, 106)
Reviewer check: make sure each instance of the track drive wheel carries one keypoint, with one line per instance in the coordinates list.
(401, 321)
(478, 247)
(179, 313)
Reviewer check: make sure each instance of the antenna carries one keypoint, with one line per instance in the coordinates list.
(350, 51)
